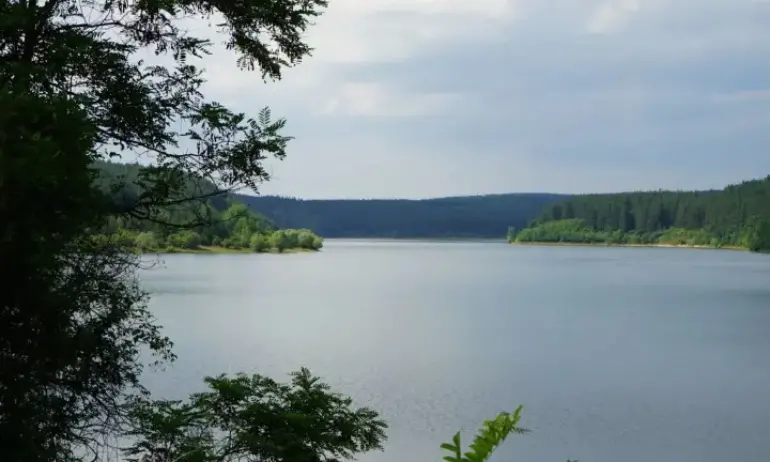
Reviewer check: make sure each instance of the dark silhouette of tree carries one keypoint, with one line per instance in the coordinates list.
(73, 319)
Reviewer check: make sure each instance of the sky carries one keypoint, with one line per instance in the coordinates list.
(427, 98)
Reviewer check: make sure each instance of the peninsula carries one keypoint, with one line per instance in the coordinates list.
(224, 224)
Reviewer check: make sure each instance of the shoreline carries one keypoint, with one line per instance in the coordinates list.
(216, 250)
(605, 244)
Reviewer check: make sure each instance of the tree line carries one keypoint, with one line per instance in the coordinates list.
(218, 221)
(483, 216)
(737, 216)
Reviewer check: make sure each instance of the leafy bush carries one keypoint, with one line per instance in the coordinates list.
(259, 243)
(255, 418)
(184, 240)
(147, 241)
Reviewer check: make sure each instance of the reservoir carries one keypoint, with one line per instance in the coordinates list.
(617, 354)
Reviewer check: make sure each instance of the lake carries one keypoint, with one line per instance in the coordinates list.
(617, 354)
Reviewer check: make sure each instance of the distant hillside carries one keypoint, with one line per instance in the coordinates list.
(487, 216)
(738, 215)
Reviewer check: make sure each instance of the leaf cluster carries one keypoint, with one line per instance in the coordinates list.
(491, 435)
(255, 418)
(84, 52)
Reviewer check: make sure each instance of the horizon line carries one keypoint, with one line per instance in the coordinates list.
(479, 195)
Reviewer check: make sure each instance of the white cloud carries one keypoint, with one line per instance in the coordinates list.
(376, 99)
(360, 31)
(612, 15)
(357, 32)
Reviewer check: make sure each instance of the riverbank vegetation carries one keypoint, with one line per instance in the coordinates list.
(215, 223)
(736, 217)
(235, 229)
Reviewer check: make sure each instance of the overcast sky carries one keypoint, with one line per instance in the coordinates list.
(422, 98)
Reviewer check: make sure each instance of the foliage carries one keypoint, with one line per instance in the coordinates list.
(469, 216)
(491, 435)
(255, 418)
(577, 231)
(228, 223)
(511, 235)
(734, 216)
(259, 243)
(236, 229)
(723, 214)
(73, 320)
(757, 235)
(216, 215)
(573, 230)
(84, 52)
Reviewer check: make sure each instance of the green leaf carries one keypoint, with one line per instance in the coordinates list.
(448, 447)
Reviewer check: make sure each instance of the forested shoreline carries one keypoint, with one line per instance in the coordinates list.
(221, 224)
(241, 235)
(735, 217)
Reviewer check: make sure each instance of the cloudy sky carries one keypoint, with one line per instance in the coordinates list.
(423, 98)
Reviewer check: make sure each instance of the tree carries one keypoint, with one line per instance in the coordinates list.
(511, 235)
(82, 52)
(279, 241)
(186, 239)
(71, 94)
(71, 320)
(259, 243)
(758, 235)
(627, 222)
(318, 242)
(255, 418)
(147, 241)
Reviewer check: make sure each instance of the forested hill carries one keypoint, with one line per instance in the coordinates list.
(735, 216)
(486, 216)
(218, 221)
(483, 216)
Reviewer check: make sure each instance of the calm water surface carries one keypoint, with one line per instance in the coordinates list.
(618, 354)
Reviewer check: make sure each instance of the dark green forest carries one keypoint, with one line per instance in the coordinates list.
(737, 216)
(484, 216)
(219, 220)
